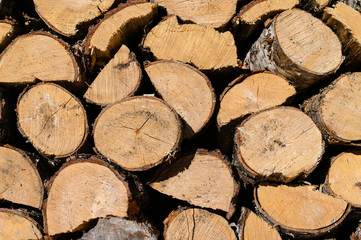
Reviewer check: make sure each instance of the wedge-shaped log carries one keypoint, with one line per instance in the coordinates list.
(52, 119)
(119, 79)
(137, 133)
(297, 46)
(301, 211)
(185, 89)
(64, 16)
(194, 223)
(277, 144)
(203, 179)
(202, 46)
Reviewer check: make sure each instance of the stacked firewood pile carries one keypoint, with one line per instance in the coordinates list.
(170, 119)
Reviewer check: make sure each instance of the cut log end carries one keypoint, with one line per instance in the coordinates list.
(7, 31)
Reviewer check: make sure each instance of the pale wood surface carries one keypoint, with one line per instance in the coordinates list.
(204, 179)
(193, 223)
(137, 133)
(52, 119)
(6, 32)
(202, 46)
(279, 144)
(63, 16)
(17, 226)
(20, 180)
(301, 209)
(119, 79)
(81, 191)
(37, 56)
(316, 5)
(211, 13)
(185, 89)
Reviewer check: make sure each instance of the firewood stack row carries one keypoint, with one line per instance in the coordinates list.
(166, 119)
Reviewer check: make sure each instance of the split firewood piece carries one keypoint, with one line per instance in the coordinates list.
(215, 13)
(137, 133)
(16, 225)
(257, 12)
(344, 20)
(297, 46)
(65, 16)
(118, 26)
(202, 46)
(83, 190)
(344, 178)
(203, 179)
(337, 109)
(115, 228)
(194, 223)
(52, 119)
(246, 95)
(357, 234)
(252, 226)
(7, 31)
(355, 4)
(185, 89)
(300, 211)
(316, 6)
(119, 79)
(277, 144)
(20, 180)
(38, 56)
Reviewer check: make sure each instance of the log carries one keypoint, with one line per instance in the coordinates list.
(251, 226)
(202, 46)
(248, 94)
(252, 15)
(343, 179)
(137, 133)
(16, 225)
(194, 223)
(336, 110)
(52, 119)
(7, 32)
(214, 14)
(344, 20)
(186, 90)
(301, 211)
(38, 56)
(115, 228)
(65, 17)
(316, 6)
(118, 27)
(119, 79)
(277, 144)
(357, 234)
(21, 182)
(81, 191)
(203, 179)
(355, 4)
(297, 46)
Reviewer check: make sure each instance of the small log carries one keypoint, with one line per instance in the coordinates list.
(252, 15)
(202, 46)
(194, 223)
(38, 56)
(355, 4)
(65, 16)
(117, 27)
(52, 119)
(345, 20)
(336, 110)
(215, 14)
(246, 95)
(277, 144)
(81, 191)
(7, 32)
(253, 227)
(297, 46)
(20, 180)
(115, 228)
(185, 89)
(204, 179)
(16, 225)
(137, 133)
(119, 79)
(316, 6)
(300, 211)
(344, 178)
